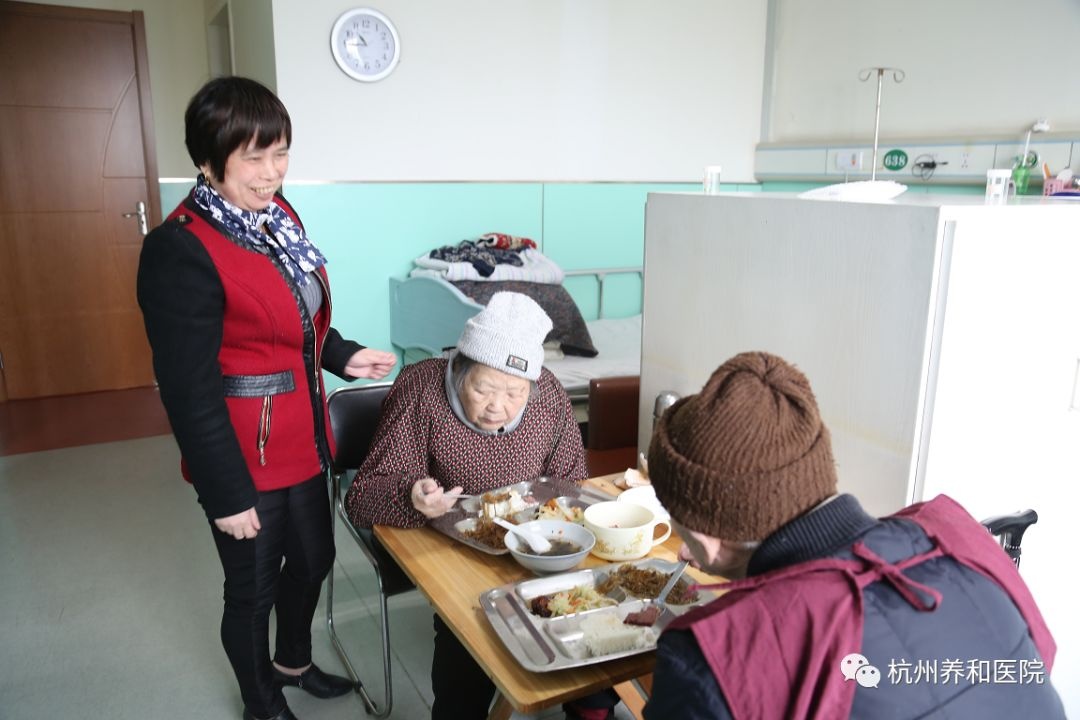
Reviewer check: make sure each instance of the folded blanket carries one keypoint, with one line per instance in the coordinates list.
(534, 266)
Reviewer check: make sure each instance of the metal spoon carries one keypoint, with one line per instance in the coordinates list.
(537, 543)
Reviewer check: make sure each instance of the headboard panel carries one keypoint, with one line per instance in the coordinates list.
(427, 313)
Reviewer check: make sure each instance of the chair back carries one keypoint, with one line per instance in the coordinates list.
(354, 417)
(611, 436)
(613, 412)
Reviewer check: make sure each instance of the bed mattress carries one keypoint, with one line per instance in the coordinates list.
(618, 342)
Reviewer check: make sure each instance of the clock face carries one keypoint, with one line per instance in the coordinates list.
(365, 44)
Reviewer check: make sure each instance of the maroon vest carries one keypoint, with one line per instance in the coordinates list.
(273, 400)
(823, 620)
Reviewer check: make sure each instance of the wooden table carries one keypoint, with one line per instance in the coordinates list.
(452, 576)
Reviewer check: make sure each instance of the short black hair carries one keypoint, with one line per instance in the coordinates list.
(227, 113)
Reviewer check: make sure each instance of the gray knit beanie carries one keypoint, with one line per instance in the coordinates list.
(747, 454)
(508, 335)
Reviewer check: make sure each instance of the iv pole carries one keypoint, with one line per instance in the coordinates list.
(864, 75)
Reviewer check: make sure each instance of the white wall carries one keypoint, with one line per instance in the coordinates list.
(530, 90)
(176, 46)
(974, 67)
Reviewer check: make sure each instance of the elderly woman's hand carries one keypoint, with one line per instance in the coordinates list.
(428, 497)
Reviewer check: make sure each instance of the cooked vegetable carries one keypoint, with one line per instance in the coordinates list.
(567, 602)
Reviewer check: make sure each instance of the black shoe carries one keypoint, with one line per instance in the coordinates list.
(316, 682)
(285, 714)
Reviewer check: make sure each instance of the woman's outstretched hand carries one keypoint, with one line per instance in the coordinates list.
(370, 363)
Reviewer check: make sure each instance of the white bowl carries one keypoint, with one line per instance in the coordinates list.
(553, 530)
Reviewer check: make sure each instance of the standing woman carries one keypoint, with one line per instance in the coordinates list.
(236, 303)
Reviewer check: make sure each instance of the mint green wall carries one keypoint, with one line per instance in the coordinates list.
(172, 193)
(371, 232)
(600, 225)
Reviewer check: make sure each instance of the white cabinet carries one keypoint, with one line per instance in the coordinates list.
(941, 337)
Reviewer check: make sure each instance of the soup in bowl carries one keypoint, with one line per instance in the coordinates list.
(570, 544)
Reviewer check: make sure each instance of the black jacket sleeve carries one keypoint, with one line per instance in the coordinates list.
(336, 353)
(683, 685)
(182, 300)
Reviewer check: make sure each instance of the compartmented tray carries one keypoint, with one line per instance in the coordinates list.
(544, 644)
(465, 515)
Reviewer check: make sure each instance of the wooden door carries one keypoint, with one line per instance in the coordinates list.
(76, 153)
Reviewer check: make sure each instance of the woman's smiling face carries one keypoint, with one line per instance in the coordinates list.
(253, 174)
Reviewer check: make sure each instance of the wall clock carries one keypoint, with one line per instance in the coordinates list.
(365, 44)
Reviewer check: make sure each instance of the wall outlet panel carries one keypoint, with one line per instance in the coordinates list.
(958, 162)
(847, 161)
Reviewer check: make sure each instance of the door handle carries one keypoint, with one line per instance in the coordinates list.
(140, 213)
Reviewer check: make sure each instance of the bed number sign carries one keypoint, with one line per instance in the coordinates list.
(895, 160)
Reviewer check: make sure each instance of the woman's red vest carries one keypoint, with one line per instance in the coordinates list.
(276, 400)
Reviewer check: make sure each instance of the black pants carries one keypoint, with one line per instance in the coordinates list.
(295, 528)
(463, 691)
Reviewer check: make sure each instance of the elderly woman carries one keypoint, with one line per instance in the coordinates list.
(487, 417)
(236, 303)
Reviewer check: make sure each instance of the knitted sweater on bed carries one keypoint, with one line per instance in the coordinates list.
(419, 436)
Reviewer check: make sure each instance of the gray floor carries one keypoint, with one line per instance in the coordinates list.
(110, 598)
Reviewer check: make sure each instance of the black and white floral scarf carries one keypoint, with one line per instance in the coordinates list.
(287, 240)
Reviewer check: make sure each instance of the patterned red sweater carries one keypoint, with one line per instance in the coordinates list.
(419, 436)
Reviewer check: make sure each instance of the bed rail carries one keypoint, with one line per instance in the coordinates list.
(601, 274)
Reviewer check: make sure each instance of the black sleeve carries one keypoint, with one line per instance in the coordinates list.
(182, 300)
(336, 353)
(683, 684)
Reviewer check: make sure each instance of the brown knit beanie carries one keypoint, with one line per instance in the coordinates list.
(747, 454)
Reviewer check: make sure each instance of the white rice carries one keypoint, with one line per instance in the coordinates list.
(606, 634)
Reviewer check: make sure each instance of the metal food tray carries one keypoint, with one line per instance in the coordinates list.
(546, 644)
(464, 515)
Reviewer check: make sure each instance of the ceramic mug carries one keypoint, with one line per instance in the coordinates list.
(645, 495)
(624, 530)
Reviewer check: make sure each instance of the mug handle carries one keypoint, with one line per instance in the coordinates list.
(667, 533)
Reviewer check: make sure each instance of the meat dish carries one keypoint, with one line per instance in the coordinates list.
(646, 583)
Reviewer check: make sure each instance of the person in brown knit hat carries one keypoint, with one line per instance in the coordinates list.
(746, 454)
(828, 601)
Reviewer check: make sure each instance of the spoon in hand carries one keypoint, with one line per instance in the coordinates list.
(537, 543)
